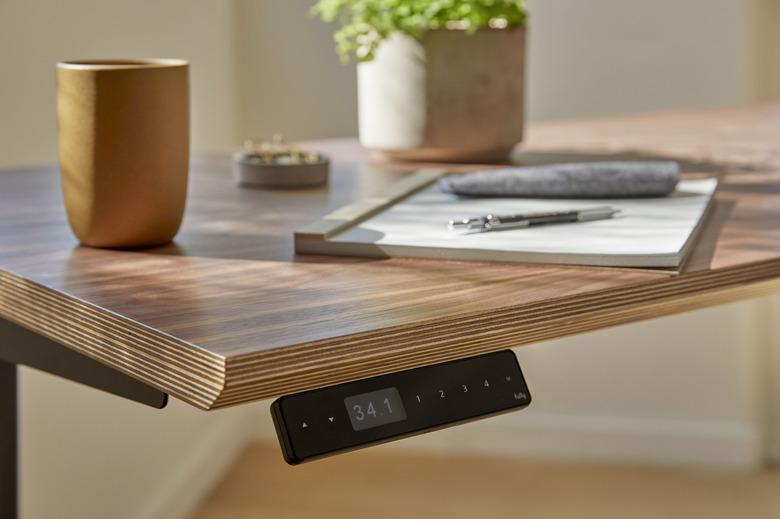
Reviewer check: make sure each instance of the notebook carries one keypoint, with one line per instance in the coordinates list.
(648, 232)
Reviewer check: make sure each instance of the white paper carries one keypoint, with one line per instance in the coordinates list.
(647, 232)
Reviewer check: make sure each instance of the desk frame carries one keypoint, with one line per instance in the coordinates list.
(20, 347)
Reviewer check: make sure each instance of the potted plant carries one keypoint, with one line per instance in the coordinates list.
(437, 79)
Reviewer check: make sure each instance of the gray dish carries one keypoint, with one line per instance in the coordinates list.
(249, 170)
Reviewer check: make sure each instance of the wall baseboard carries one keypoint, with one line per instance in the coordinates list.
(201, 469)
(603, 439)
(772, 387)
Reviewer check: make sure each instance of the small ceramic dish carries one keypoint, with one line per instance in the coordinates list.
(279, 164)
(282, 172)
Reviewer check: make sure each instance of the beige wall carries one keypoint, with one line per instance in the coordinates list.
(34, 35)
(291, 80)
(765, 49)
(86, 454)
(671, 54)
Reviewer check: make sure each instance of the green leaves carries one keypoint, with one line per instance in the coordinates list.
(364, 24)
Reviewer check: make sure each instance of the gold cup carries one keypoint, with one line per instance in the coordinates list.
(123, 130)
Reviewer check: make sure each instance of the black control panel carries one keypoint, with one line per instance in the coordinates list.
(348, 416)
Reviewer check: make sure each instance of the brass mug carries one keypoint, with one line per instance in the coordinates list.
(123, 130)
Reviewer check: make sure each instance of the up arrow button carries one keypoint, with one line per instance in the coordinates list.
(304, 425)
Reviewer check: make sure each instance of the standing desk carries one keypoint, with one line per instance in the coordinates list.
(228, 314)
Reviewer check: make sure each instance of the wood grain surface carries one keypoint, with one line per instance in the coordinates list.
(229, 314)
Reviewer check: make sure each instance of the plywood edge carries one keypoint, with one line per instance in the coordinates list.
(663, 263)
(162, 361)
(209, 381)
(308, 366)
(352, 214)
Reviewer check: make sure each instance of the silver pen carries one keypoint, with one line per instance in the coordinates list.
(493, 222)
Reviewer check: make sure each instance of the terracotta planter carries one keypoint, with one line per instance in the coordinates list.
(451, 97)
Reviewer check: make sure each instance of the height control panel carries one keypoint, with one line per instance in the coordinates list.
(349, 416)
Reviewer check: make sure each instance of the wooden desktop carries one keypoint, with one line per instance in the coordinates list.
(228, 314)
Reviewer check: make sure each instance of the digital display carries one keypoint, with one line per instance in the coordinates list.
(375, 408)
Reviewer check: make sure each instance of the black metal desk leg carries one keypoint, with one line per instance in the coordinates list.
(9, 488)
(21, 347)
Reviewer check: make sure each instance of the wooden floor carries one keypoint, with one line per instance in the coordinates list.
(381, 483)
